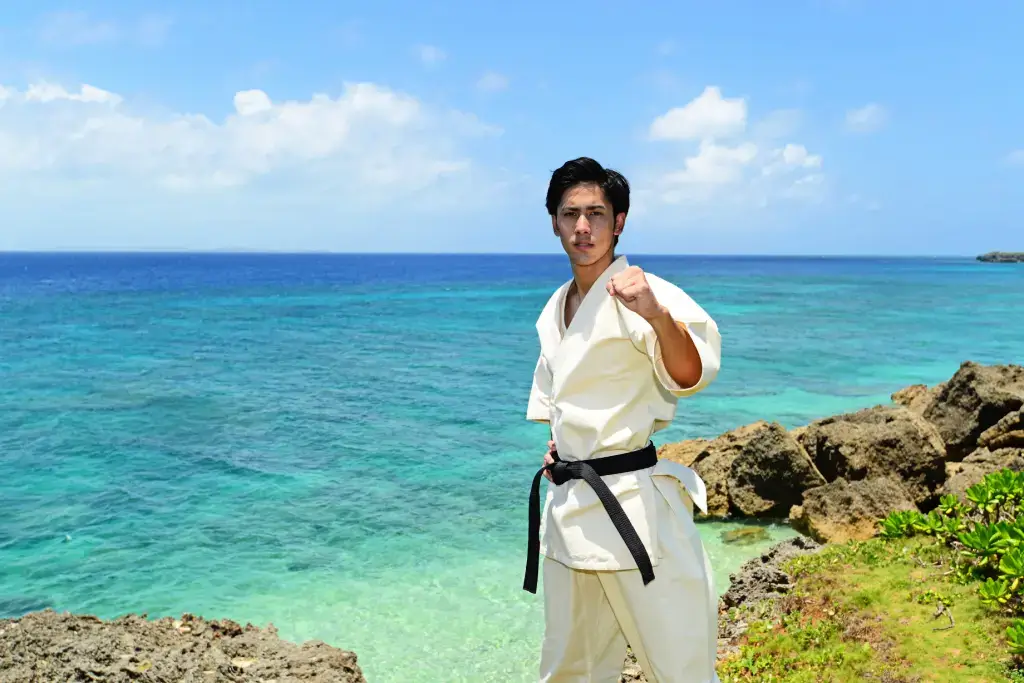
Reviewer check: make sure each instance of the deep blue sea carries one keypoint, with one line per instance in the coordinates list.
(336, 443)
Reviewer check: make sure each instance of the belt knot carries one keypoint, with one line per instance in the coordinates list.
(591, 471)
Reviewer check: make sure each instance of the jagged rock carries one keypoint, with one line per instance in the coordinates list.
(756, 470)
(684, 452)
(917, 397)
(842, 510)
(1007, 433)
(714, 463)
(879, 441)
(770, 474)
(762, 578)
(963, 475)
(51, 646)
(974, 399)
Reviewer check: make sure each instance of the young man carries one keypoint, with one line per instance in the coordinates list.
(623, 561)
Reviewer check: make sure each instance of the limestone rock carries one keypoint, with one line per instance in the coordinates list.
(842, 510)
(684, 452)
(756, 470)
(51, 646)
(762, 578)
(879, 441)
(770, 474)
(917, 397)
(1007, 433)
(714, 463)
(974, 399)
(963, 475)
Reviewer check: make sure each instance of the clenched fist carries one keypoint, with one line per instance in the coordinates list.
(631, 288)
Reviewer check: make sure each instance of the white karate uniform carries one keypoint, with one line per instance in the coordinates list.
(602, 386)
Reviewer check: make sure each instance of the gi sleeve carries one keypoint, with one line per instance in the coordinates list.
(703, 331)
(538, 408)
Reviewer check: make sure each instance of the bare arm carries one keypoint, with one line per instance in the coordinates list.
(680, 355)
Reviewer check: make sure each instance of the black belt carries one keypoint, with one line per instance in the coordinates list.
(591, 471)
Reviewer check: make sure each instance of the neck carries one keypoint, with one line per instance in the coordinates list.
(586, 275)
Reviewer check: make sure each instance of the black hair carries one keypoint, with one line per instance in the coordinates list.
(585, 170)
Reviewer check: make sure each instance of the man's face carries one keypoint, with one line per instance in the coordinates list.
(585, 225)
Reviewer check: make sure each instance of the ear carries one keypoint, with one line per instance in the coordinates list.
(620, 223)
(554, 225)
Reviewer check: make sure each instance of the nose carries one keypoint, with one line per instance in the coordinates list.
(582, 225)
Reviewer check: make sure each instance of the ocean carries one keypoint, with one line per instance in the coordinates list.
(336, 444)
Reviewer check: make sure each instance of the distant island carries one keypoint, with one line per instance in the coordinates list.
(1003, 257)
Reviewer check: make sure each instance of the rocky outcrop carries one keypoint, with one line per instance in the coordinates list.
(758, 470)
(762, 578)
(684, 452)
(771, 474)
(917, 397)
(1002, 257)
(964, 475)
(51, 646)
(974, 400)
(849, 510)
(839, 475)
(1007, 433)
(713, 460)
(876, 442)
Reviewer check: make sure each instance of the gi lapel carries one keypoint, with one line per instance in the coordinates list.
(594, 307)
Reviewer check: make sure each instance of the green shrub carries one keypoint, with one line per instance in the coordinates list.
(985, 533)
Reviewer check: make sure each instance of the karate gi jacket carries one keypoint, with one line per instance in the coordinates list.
(604, 389)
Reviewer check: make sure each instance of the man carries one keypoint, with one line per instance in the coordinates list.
(623, 561)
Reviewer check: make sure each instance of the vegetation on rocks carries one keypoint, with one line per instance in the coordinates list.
(985, 537)
(876, 610)
(935, 596)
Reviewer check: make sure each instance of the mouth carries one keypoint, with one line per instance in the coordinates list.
(584, 246)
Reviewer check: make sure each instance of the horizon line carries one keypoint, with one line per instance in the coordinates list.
(328, 252)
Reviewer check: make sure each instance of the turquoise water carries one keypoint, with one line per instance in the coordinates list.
(335, 444)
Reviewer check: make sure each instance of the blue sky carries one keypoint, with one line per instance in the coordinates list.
(810, 126)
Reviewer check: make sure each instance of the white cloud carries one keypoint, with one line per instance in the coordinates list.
(714, 165)
(796, 155)
(1014, 158)
(708, 116)
(368, 139)
(730, 166)
(430, 55)
(48, 92)
(492, 82)
(866, 119)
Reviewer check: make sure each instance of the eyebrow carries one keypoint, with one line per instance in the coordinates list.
(591, 207)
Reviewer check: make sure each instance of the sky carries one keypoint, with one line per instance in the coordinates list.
(820, 127)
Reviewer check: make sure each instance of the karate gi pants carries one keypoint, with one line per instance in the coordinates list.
(671, 624)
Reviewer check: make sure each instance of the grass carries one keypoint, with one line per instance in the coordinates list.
(874, 611)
